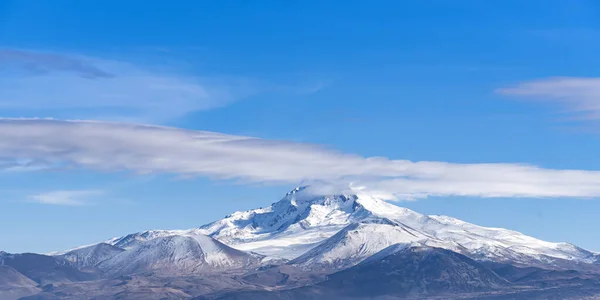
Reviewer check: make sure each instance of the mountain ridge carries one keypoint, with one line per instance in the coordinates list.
(178, 254)
(311, 219)
(301, 221)
(303, 240)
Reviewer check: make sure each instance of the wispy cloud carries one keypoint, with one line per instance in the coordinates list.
(46, 62)
(74, 86)
(579, 95)
(70, 198)
(154, 149)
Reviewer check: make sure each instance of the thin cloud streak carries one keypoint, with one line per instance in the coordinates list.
(148, 149)
(44, 62)
(65, 197)
(78, 86)
(579, 95)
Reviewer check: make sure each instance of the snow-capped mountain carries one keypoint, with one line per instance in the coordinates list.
(340, 230)
(310, 244)
(290, 227)
(302, 221)
(178, 254)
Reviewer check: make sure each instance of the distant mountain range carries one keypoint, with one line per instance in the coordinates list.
(311, 246)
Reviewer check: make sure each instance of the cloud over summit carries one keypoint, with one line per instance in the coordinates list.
(156, 149)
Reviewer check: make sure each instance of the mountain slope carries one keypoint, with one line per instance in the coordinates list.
(178, 255)
(91, 255)
(415, 270)
(9, 277)
(14, 285)
(356, 242)
(45, 269)
(398, 272)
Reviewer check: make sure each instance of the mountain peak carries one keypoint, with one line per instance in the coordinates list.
(303, 217)
(297, 190)
(350, 199)
(305, 200)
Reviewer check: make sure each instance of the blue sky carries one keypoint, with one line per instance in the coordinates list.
(460, 82)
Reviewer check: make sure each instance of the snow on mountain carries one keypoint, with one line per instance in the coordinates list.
(500, 244)
(290, 227)
(357, 242)
(90, 255)
(303, 223)
(178, 254)
(302, 220)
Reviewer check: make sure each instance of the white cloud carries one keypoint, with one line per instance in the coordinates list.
(580, 96)
(155, 149)
(75, 86)
(71, 198)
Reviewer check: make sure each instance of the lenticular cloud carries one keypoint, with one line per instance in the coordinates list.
(36, 143)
